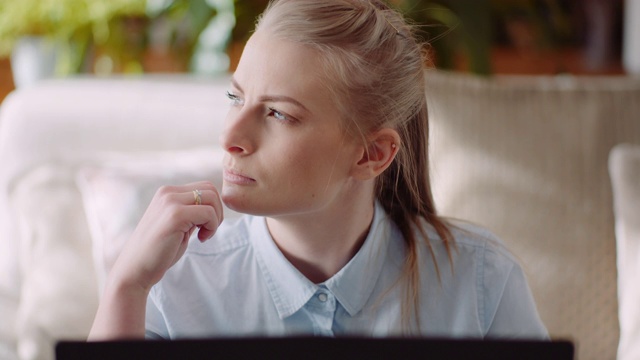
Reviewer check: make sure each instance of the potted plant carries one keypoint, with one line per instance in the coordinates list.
(106, 36)
(57, 33)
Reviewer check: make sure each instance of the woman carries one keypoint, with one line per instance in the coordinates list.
(326, 149)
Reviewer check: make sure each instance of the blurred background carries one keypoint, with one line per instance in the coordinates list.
(527, 159)
(44, 38)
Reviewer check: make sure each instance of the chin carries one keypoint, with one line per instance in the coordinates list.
(261, 205)
(242, 204)
(235, 205)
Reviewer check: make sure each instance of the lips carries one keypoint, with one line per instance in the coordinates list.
(235, 177)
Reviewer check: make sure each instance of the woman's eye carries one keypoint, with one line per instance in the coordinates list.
(235, 99)
(277, 114)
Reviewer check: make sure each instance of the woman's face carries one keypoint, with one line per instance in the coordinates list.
(286, 150)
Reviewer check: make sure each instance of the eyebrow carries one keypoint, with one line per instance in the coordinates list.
(274, 98)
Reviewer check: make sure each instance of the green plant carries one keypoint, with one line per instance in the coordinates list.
(194, 30)
(118, 33)
(549, 21)
(72, 23)
(454, 28)
(469, 29)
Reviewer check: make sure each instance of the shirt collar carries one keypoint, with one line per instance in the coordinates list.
(289, 289)
(352, 285)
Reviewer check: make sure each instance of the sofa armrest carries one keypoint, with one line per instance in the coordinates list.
(624, 168)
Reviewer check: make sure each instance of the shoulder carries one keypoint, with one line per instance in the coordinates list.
(475, 258)
(468, 235)
(505, 303)
(470, 242)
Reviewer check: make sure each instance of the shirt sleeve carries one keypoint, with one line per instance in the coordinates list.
(509, 308)
(155, 326)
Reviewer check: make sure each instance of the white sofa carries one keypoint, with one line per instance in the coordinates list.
(624, 166)
(55, 139)
(526, 157)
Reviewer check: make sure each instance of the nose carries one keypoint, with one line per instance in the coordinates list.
(238, 135)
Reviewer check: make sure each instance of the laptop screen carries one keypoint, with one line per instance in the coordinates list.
(318, 348)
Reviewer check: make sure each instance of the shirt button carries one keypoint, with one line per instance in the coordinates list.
(322, 297)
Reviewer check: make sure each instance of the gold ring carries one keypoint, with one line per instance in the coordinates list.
(197, 195)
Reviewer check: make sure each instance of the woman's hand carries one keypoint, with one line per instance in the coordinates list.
(158, 242)
(162, 235)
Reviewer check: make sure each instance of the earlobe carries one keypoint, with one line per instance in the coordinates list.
(380, 152)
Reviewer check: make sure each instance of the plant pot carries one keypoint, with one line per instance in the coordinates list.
(33, 58)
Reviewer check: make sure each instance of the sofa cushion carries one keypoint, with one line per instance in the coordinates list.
(58, 297)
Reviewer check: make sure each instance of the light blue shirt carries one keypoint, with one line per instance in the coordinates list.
(240, 284)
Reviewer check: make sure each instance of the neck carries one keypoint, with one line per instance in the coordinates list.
(321, 243)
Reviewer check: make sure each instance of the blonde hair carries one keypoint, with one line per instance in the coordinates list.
(375, 69)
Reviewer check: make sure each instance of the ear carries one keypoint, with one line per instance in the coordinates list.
(382, 147)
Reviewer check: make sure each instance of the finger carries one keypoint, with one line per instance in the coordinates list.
(208, 229)
(186, 194)
(205, 234)
(211, 197)
(207, 198)
(203, 217)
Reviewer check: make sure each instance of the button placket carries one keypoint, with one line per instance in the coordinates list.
(322, 308)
